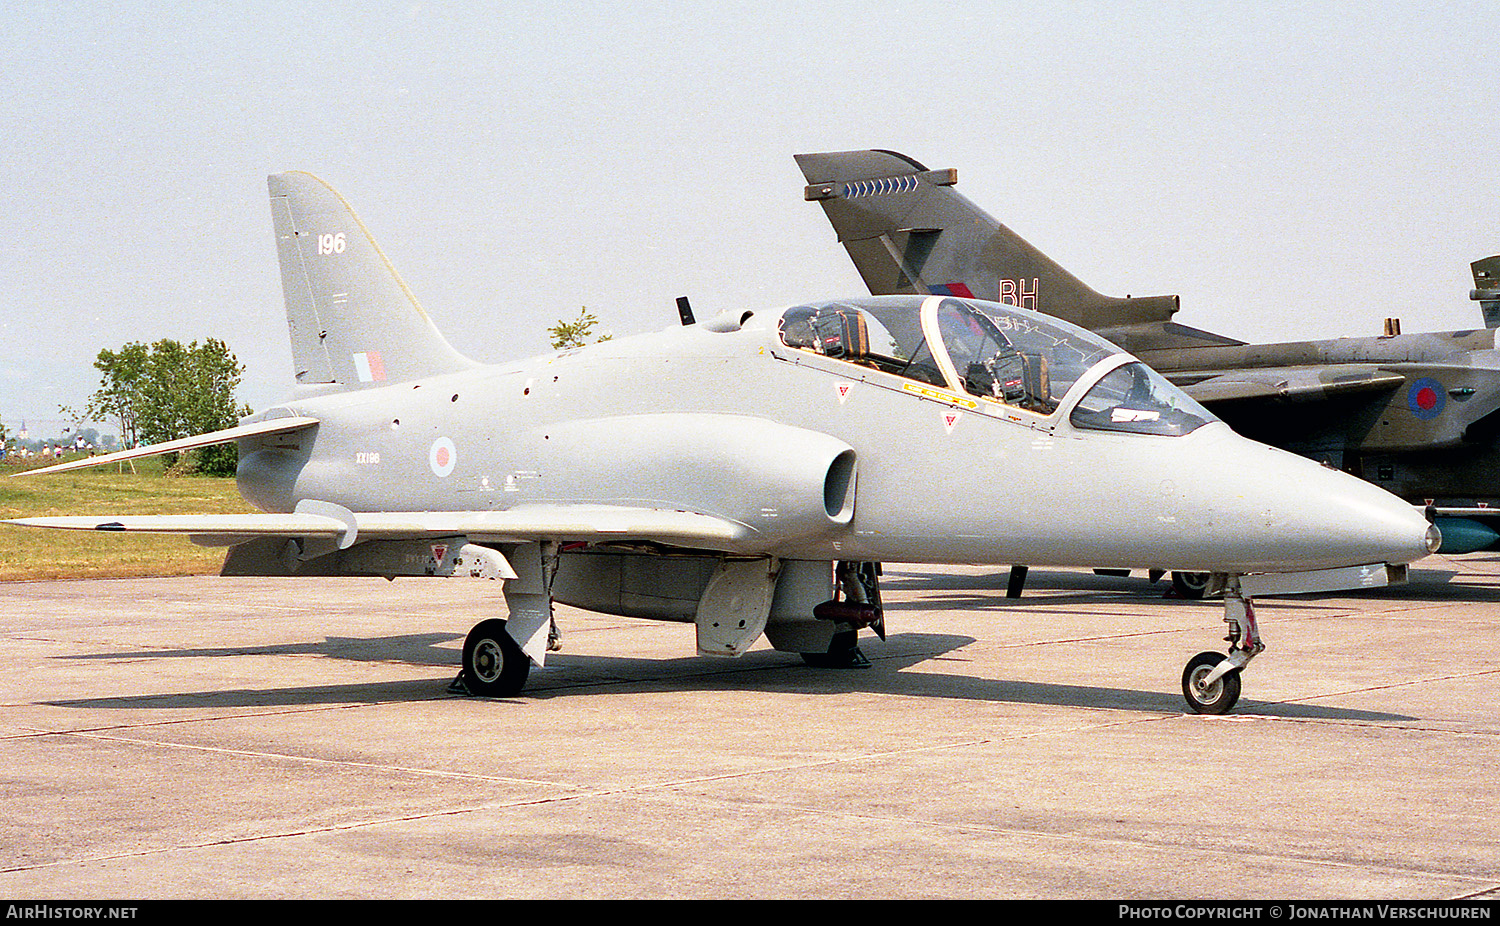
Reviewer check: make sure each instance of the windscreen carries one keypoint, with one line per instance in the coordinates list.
(1136, 399)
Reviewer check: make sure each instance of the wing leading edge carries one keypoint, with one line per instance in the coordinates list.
(517, 525)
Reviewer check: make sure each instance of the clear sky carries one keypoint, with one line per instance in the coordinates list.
(1293, 170)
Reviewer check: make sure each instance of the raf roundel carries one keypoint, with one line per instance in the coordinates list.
(1426, 398)
(442, 456)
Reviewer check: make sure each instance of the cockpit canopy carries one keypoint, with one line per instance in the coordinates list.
(996, 353)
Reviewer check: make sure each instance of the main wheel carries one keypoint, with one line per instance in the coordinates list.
(1190, 584)
(1217, 698)
(493, 663)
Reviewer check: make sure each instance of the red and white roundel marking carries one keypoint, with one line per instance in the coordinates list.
(442, 456)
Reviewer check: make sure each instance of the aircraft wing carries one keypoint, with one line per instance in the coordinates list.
(257, 429)
(516, 525)
(1285, 384)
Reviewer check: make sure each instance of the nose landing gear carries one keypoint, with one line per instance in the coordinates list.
(1211, 681)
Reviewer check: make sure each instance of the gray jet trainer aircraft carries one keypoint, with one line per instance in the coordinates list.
(1417, 414)
(749, 474)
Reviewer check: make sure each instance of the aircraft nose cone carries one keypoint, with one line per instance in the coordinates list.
(1255, 508)
(1322, 514)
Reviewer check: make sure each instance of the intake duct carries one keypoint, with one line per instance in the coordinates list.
(788, 484)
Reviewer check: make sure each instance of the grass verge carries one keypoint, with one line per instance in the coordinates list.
(33, 554)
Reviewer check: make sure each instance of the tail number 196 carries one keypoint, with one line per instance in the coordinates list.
(331, 244)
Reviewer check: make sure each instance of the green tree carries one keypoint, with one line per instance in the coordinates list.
(119, 392)
(169, 391)
(566, 334)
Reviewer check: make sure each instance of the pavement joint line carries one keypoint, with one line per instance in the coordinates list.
(217, 717)
(1394, 685)
(1096, 638)
(314, 760)
(1328, 722)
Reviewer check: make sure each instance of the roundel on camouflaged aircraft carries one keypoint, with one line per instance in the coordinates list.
(442, 456)
(1426, 398)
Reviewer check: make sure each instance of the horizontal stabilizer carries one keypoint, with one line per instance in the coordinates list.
(228, 435)
(517, 525)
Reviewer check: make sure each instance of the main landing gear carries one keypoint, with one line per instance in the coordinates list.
(493, 664)
(855, 604)
(1211, 681)
(1190, 585)
(498, 653)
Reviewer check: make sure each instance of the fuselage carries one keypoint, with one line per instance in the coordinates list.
(940, 475)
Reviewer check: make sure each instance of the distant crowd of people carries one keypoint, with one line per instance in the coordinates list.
(14, 452)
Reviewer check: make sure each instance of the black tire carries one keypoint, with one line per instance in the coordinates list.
(843, 653)
(1219, 697)
(1191, 585)
(493, 663)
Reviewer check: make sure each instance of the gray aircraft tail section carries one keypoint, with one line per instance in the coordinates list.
(909, 231)
(353, 322)
(1487, 289)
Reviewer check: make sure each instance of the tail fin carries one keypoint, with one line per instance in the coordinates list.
(353, 322)
(1487, 289)
(909, 231)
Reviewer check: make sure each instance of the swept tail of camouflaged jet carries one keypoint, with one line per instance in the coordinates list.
(908, 231)
(1417, 414)
(750, 473)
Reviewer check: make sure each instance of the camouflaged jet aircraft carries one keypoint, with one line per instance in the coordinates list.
(1417, 414)
(749, 473)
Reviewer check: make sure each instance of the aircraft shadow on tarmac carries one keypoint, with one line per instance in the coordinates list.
(423, 649)
(765, 671)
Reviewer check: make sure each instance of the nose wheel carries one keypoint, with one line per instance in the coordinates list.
(1210, 697)
(1211, 681)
